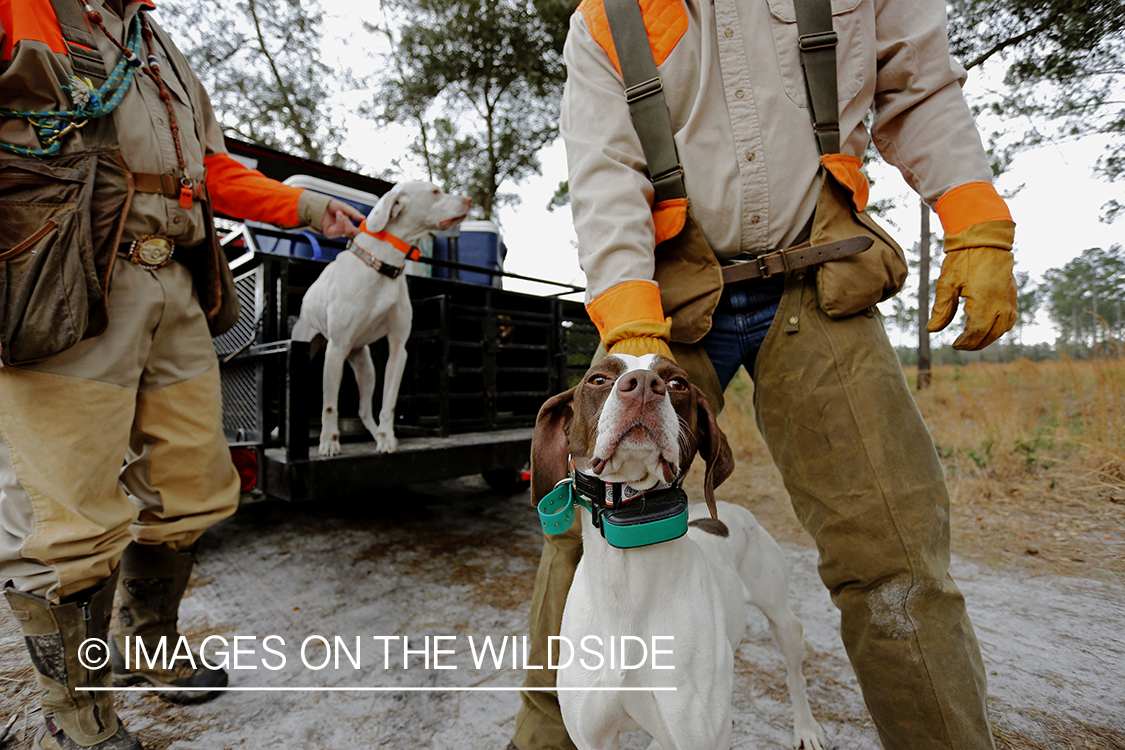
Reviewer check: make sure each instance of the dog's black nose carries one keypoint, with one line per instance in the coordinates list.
(641, 385)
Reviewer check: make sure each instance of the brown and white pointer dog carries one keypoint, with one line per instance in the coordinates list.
(640, 422)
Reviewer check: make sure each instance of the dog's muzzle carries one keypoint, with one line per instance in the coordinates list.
(649, 518)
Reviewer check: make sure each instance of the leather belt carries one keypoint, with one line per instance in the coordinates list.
(170, 186)
(792, 258)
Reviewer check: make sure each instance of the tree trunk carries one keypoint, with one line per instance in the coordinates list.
(924, 361)
(1094, 316)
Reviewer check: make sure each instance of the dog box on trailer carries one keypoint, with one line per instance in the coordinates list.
(481, 361)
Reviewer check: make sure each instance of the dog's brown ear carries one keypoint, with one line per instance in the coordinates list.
(714, 448)
(549, 449)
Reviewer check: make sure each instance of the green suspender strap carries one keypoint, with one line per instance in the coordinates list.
(644, 91)
(79, 38)
(817, 42)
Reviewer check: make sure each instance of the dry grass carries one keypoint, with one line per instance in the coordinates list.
(1037, 730)
(1034, 456)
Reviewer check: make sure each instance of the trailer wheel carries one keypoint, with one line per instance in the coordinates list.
(507, 481)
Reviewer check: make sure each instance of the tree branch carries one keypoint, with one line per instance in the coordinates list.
(298, 128)
(1013, 41)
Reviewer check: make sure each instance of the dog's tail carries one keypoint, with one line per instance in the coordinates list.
(711, 526)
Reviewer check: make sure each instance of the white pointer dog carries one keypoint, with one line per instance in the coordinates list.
(362, 296)
(639, 422)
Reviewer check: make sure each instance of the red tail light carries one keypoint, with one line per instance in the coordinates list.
(246, 464)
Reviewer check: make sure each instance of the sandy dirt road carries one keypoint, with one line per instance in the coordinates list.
(454, 563)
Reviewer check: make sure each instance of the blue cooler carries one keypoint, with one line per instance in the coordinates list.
(478, 244)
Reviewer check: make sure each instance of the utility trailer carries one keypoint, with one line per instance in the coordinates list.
(481, 361)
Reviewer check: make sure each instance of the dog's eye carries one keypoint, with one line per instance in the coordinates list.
(677, 384)
(437, 192)
(598, 380)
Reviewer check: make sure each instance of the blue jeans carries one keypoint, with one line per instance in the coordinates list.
(740, 324)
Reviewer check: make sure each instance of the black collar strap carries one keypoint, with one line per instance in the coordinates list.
(599, 493)
(650, 517)
(604, 496)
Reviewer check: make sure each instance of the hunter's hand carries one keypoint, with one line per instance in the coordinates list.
(340, 219)
(983, 276)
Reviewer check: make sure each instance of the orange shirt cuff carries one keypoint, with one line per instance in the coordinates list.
(969, 204)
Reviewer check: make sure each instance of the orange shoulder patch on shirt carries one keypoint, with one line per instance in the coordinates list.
(665, 21)
(31, 21)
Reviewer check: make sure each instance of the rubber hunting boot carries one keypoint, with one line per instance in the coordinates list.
(54, 633)
(153, 580)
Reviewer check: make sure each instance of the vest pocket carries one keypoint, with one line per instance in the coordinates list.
(49, 282)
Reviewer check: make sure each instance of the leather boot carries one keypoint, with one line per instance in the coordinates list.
(54, 634)
(153, 580)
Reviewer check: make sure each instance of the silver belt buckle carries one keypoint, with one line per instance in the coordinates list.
(151, 251)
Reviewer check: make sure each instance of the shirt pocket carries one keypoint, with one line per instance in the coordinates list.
(853, 21)
(185, 115)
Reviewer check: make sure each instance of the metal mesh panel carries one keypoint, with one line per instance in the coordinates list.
(245, 330)
(241, 385)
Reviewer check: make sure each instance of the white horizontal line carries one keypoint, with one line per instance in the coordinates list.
(363, 689)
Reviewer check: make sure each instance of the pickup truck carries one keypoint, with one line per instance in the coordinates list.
(481, 361)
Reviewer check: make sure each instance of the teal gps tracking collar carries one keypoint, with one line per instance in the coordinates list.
(651, 517)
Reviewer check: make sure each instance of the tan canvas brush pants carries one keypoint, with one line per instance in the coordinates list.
(865, 480)
(147, 391)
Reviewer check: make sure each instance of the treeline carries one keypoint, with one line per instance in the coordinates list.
(1005, 352)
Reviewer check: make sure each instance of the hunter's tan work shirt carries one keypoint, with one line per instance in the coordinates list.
(144, 132)
(736, 94)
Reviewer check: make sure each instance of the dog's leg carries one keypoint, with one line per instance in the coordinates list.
(392, 378)
(334, 356)
(364, 369)
(767, 580)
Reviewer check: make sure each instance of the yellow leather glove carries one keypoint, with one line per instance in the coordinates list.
(983, 276)
(640, 337)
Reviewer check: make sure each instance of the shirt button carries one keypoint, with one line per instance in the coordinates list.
(751, 156)
(739, 94)
(755, 218)
(728, 33)
(175, 219)
(793, 320)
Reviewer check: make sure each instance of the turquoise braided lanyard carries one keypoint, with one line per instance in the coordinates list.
(52, 125)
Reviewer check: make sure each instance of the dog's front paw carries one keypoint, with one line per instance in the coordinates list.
(385, 442)
(809, 737)
(329, 445)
